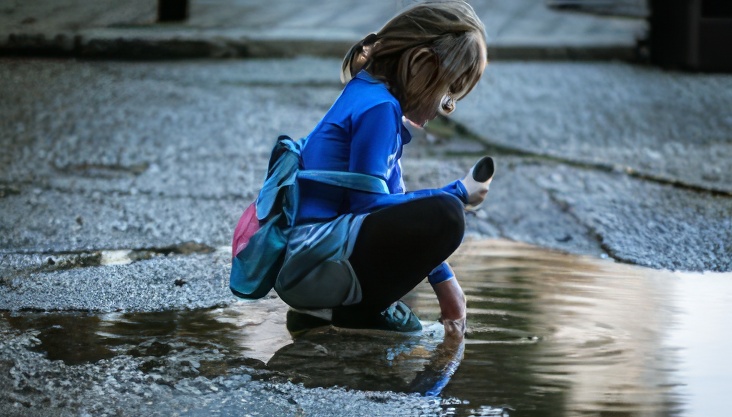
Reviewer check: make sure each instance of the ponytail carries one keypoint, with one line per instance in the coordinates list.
(357, 57)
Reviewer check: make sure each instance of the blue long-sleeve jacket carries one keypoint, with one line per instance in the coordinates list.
(363, 133)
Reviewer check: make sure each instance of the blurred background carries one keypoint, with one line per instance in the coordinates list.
(690, 34)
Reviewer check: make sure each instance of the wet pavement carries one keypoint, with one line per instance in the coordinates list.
(549, 334)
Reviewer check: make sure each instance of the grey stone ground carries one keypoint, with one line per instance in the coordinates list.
(160, 158)
(120, 183)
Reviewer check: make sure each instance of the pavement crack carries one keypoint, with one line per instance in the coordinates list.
(125, 256)
(716, 192)
(8, 189)
(67, 260)
(72, 260)
(102, 170)
(444, 127)
(185, 248)
(591, 231)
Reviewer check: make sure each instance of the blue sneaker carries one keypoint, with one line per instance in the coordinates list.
(398, 317)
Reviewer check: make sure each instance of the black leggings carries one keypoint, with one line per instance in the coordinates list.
(399, 245)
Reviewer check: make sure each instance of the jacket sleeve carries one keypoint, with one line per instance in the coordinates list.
(442, 273)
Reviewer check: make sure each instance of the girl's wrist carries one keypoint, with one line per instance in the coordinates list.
(457, 188)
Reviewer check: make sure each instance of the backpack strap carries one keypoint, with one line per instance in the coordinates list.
(352, 180)
(279, 193)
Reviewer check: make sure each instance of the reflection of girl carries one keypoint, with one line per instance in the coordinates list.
(356, 252)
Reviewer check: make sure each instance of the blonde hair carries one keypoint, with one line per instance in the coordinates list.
(430, 51)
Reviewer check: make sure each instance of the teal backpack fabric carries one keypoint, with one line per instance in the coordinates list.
(255, 267)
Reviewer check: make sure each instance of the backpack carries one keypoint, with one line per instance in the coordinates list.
(260, 237)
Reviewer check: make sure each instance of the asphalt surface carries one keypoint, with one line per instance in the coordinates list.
(154, 162)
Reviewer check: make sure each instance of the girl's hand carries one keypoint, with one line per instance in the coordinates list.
(477, 191)
(452, 306)
(454, 329)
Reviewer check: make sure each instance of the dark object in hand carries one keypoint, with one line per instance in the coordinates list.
(484, 169)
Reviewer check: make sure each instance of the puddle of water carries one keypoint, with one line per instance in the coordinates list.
(548, 335)
(253, 330)
(701, 333)
(116, 257)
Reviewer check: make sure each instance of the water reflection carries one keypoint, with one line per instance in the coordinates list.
(549, 334)
(701, 335)
(560, 335)
(251, 330)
